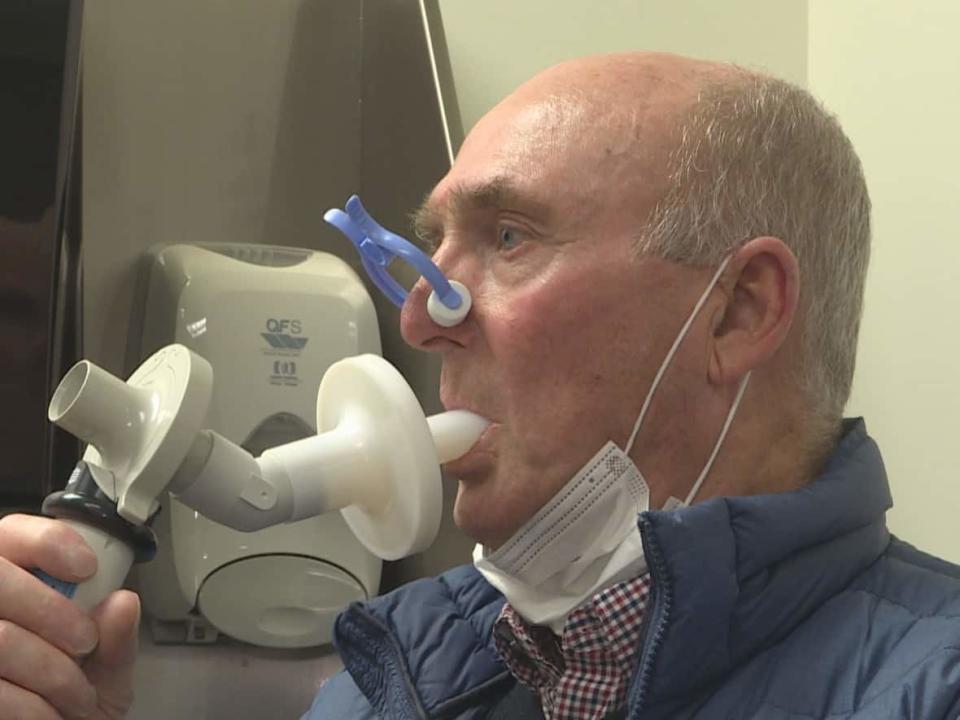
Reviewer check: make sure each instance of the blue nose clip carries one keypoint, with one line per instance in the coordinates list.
(378, 247)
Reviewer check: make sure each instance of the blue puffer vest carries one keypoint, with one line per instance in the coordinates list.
(790, 606)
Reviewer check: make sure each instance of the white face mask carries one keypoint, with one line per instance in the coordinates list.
(586, 539)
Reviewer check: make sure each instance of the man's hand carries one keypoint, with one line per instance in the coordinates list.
(57, 661)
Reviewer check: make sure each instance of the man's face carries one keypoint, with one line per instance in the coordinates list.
(537, 218)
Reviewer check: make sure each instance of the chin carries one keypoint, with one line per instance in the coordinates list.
(478, 517)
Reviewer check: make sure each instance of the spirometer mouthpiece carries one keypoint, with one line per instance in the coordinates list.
(101, 410)
(449, 302)
(454, 432)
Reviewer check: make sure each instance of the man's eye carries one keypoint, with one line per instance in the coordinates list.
(509, 238)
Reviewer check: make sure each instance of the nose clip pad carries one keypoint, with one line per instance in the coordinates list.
(450, 300)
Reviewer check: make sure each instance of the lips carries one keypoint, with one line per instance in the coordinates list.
(477, 459)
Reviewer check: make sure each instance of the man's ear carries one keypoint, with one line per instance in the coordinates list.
(762, 285)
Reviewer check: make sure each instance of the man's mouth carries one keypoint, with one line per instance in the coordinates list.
(478, 458)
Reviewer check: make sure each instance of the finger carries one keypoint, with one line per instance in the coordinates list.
(36, 666)
(110, 668)
(51, 545)
(27, 602)
(15, 702)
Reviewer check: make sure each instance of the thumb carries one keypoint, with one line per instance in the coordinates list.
(110, 667)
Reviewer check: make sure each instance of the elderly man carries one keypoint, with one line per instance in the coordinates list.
(667, 261)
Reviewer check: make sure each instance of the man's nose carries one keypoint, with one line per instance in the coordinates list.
(416, 326)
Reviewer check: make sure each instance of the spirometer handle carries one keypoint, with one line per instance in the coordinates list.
(116, 542)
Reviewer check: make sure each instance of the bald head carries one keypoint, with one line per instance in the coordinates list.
(612, 120)
(627, 79)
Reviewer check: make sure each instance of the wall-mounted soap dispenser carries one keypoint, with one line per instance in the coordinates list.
(270, 321)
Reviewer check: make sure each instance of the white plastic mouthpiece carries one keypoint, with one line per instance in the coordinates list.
(449, 317)
(455, 432)
(140, 430)
(100, 409)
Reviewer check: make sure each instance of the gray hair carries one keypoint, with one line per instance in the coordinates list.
(758, 156)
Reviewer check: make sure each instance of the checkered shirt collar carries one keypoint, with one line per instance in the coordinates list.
(586, 673)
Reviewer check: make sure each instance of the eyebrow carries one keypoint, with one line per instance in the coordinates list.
(498, 192)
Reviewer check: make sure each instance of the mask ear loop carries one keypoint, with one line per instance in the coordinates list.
(673, 349)
(723, 433)
(659, 376)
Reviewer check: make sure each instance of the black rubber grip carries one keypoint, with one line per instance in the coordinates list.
(82, 500)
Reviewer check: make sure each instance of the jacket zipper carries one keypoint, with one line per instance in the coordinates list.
(659, 618)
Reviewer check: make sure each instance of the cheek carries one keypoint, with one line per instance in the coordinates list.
(563, 333)
(535, 343)
(561, 374)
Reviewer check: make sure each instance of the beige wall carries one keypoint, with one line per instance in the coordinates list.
(495, 45)
(891, 72)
